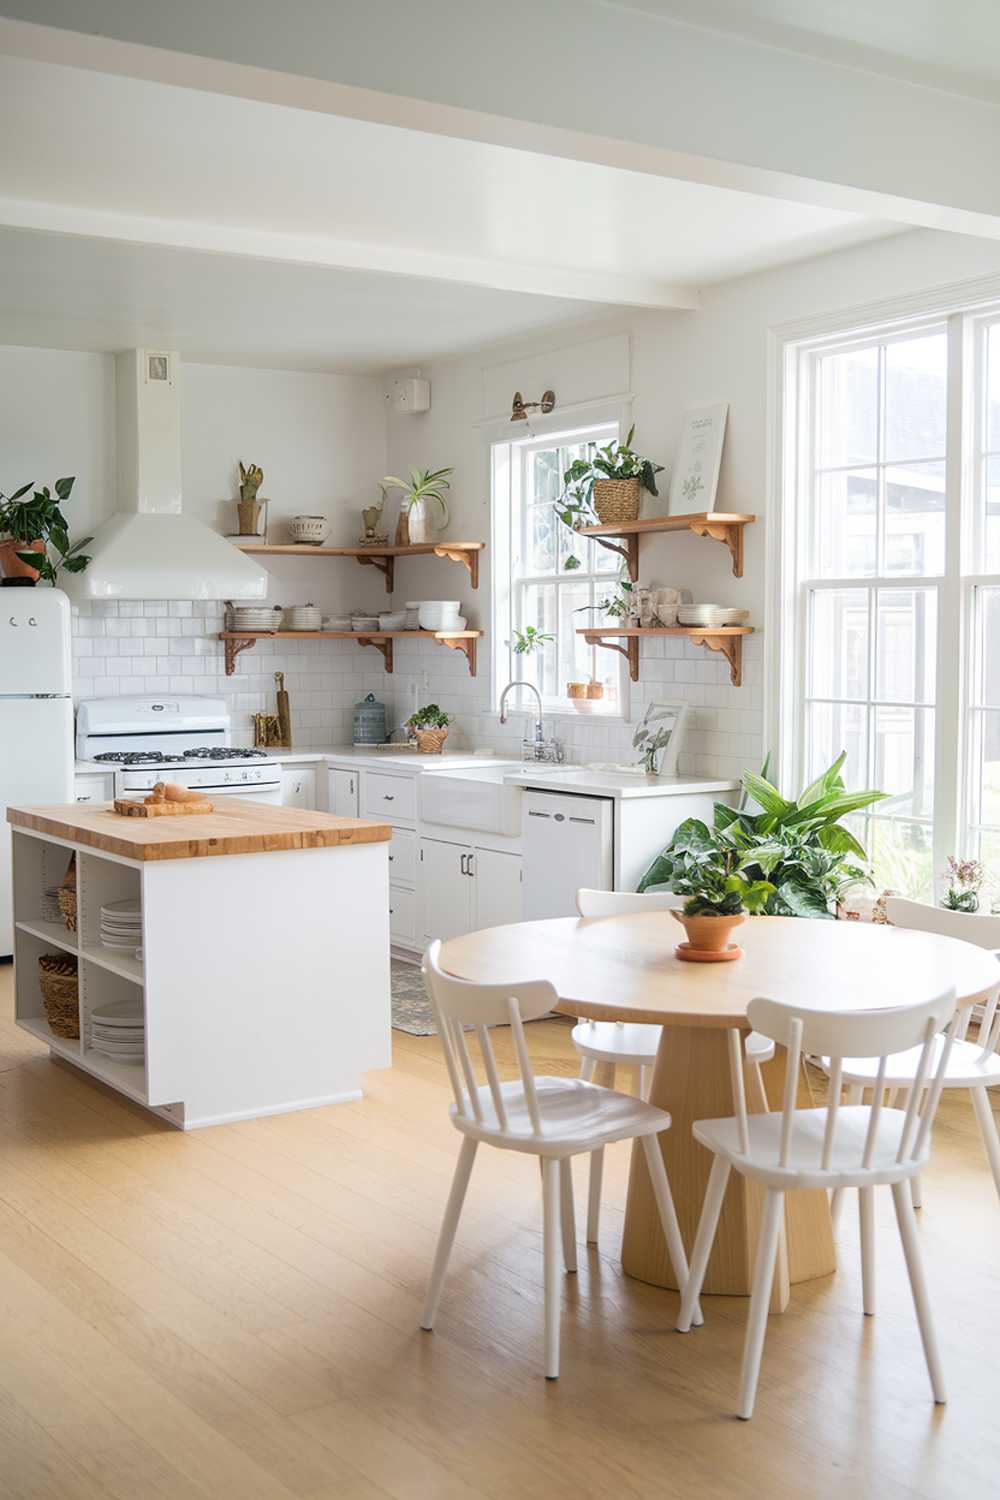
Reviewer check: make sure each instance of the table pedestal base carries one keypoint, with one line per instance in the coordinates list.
(692, 1082)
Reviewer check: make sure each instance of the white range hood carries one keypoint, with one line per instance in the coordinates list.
(149, 549)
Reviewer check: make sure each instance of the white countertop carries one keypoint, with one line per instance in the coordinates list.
(618, 785)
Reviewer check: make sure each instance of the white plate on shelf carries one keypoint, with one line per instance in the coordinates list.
(118, 1013)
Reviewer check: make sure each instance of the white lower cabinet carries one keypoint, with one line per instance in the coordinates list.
(464, 887)
(95, 788)
(402, 916)
(342, 793)
(298, 787)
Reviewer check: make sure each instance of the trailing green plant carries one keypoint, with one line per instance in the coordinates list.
(575, 507)
(617, 605)
(799, 848)
(423, 484)
(528, 640)
(429, 717)
(41, 519)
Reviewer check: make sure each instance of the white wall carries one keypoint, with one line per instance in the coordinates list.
(321, 442)
(677, 359)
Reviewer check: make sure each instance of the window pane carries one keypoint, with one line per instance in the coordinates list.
(541, 541)
(838, 644)
(545, 475)
(916, 397)
(575, 656)
(991, 515)
(845, 529)
(834, 727)
(987, 850)
(902, 856)
(905, 645)
(987, 616)
(993, 389)
(848, 406)
(914, 518)
(986, 762)
(605, 561)
(904, 761)
(538, 608)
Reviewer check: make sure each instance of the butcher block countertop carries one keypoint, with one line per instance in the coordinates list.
(237, 826)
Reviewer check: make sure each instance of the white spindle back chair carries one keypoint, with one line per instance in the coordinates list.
(633, 1044)
(836, 1145)
(972, 1065)
(551, 1118)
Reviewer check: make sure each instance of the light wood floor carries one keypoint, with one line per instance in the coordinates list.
(233, 1313)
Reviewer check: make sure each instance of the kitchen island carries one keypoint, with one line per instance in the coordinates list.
(263, 974)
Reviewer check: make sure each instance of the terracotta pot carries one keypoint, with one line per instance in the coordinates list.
(11, 565)
(708, 938)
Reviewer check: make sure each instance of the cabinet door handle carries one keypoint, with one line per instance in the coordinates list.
(352, 786)
(469, 870)
(392, 858)
(388, 797)
(461, 863)
(87, 798)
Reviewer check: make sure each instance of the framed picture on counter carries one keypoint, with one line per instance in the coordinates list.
(695, 478)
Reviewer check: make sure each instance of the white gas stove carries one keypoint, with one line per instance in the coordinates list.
(146, 740)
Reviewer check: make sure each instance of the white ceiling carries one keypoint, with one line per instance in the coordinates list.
(950, 44)
(502, 240)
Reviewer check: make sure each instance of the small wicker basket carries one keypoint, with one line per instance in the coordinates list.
(58, 981)
(67, 896)
(430, 741)
(617, 500)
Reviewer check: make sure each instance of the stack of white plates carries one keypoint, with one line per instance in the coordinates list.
(256, 617)
(337, 622)
(364, 622)
(711, 615)
(440, 614)
(121, 925)
(302, 617)
(118, 1031)
(412, 620)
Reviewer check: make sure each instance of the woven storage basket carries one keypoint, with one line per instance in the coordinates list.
(67, 895)
(430, 741)
(57, 978)
(617, 500)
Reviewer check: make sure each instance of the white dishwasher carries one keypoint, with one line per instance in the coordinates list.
(568, 843)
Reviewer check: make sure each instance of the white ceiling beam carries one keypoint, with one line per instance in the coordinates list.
(577, 78)
(226, 239)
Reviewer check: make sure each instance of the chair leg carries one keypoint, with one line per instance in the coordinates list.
(855, 1094)
(668, 1214)
(588, 1067)
(550, 1204)
(917, 1191)
(911, 1251)
(760, 1297)
(988, 1130)
(866, 1218)
(594, 1195)
(446, 1238)
(645, 1080)
(567, 1213)
(703, 1241)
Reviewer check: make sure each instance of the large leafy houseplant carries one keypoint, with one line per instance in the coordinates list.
(617, 461)
(40, 519)
(799, 848)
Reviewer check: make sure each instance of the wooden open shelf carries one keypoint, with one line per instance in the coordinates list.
(459, 640)
(720, 525)
(382, 558)
(725, 638)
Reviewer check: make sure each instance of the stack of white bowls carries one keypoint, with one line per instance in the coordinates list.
(440, 614)
(412, 608)
(256, 617)
(303, 617)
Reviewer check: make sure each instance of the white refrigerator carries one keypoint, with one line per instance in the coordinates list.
(36, 717)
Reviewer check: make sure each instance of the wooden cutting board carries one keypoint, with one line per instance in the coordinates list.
(160, 809)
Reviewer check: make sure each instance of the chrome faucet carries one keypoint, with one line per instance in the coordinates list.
(539, 748)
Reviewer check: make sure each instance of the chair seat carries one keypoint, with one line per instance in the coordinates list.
(635, 1045)
(968, 1067)
(575, 1116)
(806, 1149)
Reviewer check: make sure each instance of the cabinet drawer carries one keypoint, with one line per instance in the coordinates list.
(94, 788)
(402, 915)
(403, 855)
(389, 796)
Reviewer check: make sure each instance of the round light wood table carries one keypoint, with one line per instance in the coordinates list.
(623, 968)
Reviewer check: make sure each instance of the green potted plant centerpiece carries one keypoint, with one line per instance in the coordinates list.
(794, 858)
(430, 728)
(705, 865)
(31, 526)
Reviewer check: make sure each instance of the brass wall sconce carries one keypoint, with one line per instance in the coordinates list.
(520, 408)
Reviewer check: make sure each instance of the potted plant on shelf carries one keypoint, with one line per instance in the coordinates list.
(528, 640)
(799, 848)
(31, 526)
(606, 489)
(425, 487)
(429, 726)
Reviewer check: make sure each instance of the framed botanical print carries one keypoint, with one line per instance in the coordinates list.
(695, 478)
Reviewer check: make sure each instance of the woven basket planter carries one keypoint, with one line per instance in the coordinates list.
(58, 981)
(430, 741)
(617, 500)
(67, 895)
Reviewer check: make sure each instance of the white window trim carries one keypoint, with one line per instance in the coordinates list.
(499, 441)
(965, 309)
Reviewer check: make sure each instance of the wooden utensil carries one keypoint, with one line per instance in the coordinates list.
(284, 711)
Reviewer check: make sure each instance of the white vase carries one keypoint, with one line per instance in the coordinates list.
(419, 522)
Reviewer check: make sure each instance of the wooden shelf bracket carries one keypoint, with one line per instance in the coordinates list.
(386, 566)
(731, 647)
(729, 533)
(630, 650)
(233, 649)
(461, 555)
(384, 645)
(463, 643)
(628, 550)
